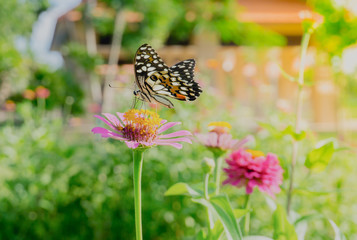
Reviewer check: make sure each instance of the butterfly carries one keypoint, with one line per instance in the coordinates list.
(156, 81)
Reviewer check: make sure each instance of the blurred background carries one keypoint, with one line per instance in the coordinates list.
(62, 61)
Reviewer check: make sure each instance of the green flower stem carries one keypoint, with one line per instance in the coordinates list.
(206, 186)
(209, 216)
(41, 106)
(247, 216)
(138, 156)
(217, 172)
(304, 46)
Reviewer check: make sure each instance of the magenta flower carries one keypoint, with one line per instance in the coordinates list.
(141, 128)
(249, 168)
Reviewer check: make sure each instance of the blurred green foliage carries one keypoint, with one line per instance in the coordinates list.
(78, 53)
(14, 66)
(19, 70)
(339, 29)
(62, 85)
(179, 21)
(56, 184)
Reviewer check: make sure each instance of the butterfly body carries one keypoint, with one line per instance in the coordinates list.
(156, 81)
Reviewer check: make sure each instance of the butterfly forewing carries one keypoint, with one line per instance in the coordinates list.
(147, 61)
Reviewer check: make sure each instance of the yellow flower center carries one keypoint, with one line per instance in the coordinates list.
(141, 125)
(219, 127)
(255, 153)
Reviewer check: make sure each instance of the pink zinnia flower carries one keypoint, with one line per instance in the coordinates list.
(141, 128)
(219, 137)
(251, 168)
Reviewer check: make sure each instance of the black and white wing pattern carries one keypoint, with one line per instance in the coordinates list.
(156, 80)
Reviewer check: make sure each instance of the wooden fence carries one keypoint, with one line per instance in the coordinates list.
(253, 77)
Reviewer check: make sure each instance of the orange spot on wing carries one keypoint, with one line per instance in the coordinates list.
(179, 96)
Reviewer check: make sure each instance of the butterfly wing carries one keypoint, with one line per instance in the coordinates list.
(166, 83)
(164, 101)
(156, 80)
(146, 62)
(183, 72)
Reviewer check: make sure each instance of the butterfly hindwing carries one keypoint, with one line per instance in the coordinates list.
(164, 101)
(184, 72)
(168, 84)
(184, 69)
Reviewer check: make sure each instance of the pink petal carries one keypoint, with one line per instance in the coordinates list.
(175, 145)
(183, 139)
(202, 138)
(147, 143)
(224, 140)
(131, 144)
(121, 116)
(248, 189)
(243, 141)
(176, 134)
(212, 140)
(107, 133)
(112, 118)
(167, 126)
(105, 121)
(102, 131)
(163, 121)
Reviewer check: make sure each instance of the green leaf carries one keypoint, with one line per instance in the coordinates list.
(226, 214)
(217, 231)
(201, 235)
(283, 230)
(238, 213)
(271, 129)
(318, 159)
(182, 189)
(287, 131)
(221, 207)
(257, 238)
(307, 218)
(338, 234)
(296, 136)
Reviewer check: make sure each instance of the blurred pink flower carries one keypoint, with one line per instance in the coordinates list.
(219, 137)
(42, 92)
(248, 168)
(94, 108)
(141, 128)
(222, 141)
